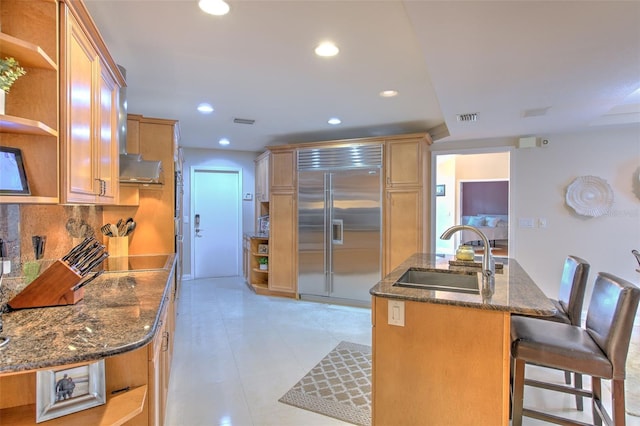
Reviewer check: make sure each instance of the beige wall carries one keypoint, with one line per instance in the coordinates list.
(539, 178)
(489, 166)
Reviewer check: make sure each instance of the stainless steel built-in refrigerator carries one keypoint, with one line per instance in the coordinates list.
(339, 222)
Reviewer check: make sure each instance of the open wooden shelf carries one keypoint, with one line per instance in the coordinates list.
(27, 199)
(11, 124)
(27, 54)
(116, 411)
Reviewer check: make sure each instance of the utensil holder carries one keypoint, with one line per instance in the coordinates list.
(118, 254)
(51, 288)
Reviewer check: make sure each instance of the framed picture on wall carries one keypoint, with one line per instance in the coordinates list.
(65, 391)
(440, 190)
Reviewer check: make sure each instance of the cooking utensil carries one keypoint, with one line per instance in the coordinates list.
(93, 264)
(86, 256)
(130, 228)
(90, 255)
(106, 230)
(114, 230)
(87, 280)
(77, 248)
(38, 242)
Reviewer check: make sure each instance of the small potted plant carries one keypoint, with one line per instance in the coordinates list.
(10, 71)
(264, 263)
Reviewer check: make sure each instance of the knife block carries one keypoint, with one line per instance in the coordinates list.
(51, 288)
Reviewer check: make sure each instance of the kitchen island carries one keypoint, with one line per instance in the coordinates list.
(445, 359)
(125, 318)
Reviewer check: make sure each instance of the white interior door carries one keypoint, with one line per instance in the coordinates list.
(216, 230)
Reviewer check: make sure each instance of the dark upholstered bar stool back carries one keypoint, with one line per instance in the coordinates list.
(598, 350)
(573, 285)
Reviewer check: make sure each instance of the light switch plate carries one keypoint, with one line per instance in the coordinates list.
(396, 312)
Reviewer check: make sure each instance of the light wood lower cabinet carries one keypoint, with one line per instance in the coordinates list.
(283, 244)
(402, 226)
(136, 387)
(447, 364)
(159, 369)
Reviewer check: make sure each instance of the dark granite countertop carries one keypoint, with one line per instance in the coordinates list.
(514, 292)
(120, 312)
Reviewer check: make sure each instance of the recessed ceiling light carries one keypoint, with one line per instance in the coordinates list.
(205, 108)
(327, 49)
(334, 121)
(389, 93)
(224, 142)
(214, 7)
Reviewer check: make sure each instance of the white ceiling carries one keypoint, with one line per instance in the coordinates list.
(575, 62)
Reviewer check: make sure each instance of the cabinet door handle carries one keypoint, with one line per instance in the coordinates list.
(165, 341)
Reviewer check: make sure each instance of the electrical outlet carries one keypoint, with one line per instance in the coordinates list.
(5, 266)
(396, 313)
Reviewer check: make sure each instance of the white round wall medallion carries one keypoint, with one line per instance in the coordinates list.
(589, 196)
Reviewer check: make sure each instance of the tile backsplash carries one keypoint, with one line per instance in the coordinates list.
(63, 226)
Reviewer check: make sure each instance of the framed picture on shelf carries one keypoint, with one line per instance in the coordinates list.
(66, 391)
(263, 224)
(13, 179)
(263, 248)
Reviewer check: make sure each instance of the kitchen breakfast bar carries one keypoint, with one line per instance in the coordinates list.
(441, 356)
(125, 319)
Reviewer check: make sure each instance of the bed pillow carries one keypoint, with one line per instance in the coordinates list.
(476, 221)
(492, 222)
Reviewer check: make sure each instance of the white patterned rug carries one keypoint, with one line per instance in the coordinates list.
(339, 386)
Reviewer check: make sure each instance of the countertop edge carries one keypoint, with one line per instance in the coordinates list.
(104, 353)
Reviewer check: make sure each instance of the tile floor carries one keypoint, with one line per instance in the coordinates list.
(237, 353)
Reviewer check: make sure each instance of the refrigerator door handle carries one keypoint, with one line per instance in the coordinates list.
(337, 228)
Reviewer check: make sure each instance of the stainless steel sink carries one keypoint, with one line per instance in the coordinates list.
(440, 280)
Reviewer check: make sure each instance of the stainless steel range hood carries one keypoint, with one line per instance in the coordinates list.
(133, 169)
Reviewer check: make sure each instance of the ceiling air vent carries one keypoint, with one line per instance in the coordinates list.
(243, 121)
(468, 117)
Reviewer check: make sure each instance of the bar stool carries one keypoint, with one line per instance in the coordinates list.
(569, 305)
(598, 350)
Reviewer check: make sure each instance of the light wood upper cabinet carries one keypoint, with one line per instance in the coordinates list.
(403, 162)
(283, 221)
(109, 149)
(405, 213)
(89, 109)
(30, 123)
(156, 140)
(283, 170)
